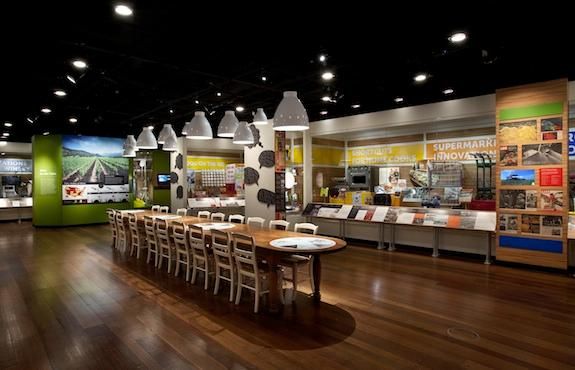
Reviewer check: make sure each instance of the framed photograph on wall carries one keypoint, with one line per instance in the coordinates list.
(542, 154)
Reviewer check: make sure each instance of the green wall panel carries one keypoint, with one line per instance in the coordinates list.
(530, 111)
(48, 209)
(161, 164)
(47, 180)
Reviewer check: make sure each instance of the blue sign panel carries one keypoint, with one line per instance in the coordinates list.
(15, 165)
(572, 143)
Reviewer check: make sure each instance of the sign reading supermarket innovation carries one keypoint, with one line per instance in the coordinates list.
(461, 150)
(8, 165)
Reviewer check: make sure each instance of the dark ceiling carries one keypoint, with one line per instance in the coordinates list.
(169, 54)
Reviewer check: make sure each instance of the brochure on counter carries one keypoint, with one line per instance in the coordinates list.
(448, 218)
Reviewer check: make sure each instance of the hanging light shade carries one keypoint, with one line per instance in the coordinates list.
(130, 142)
(243, 134)
(260, 118)
(290, 114)
(129, 152)
(146, 139)
(171, 143)
(185, 128)
(228, 124)
(166, 132)
(199, 128)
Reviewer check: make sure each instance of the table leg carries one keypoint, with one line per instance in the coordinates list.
(435, 242)
(381, 243)
(274, 295)
(316, 278)
(488, 253)
(391, 238)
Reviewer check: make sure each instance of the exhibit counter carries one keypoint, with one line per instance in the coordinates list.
(446, 229)
(15, 209)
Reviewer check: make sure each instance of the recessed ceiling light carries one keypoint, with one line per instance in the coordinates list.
(60, 93)
(325, 98)
(398, 99)
(46, 110)
(264, 78)
(73, 120)
(5, 134)
(219, 94)
(239, 108)
(71, 79)
(151, 127)
(46, 133)
(448, 91)
(2, 153)
(7, 124)
(458, 37)
(323, 112)
(3, 142)
(123, 10)
(327, 76)
(79, 63)
(171, 111)
(197, 102)
(29, 120)
(322, 58)
(420, 77)
(355, 106)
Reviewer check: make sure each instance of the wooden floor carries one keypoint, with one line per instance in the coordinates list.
(68, 301)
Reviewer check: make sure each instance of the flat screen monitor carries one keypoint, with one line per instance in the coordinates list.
(163, 179)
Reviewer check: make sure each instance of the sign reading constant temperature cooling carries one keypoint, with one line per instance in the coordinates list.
(93, 170)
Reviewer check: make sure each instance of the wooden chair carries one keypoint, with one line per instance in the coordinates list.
(224, 260)
(279, 225)
(256, 221)
(155, 208)
(218, 216)
(182, 211)
(112, 221)
(138, 235)
(164, 209)
(200, 258)
(151, 240)
(165, 248)
(294, 261)
(183, 252)
(236, 219)
(204, 214)
(249, 274)
(122, 233)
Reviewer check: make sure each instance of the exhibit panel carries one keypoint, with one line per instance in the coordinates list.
(532, 208)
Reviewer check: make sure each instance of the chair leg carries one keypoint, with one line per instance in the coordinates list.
(311, 274)
(239, 292)
(149, 255)
(232, 281)
(177, 272)
(257, 297)
(206, 276)
(194, 272)
(217, 283)
(188, 269)
(157, 258)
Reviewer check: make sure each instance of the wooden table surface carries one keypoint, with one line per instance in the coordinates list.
(273, 255)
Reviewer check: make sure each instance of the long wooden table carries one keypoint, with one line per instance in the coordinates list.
(273, 255)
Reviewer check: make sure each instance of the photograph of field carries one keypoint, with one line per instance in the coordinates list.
(517, 177)
(93, 160)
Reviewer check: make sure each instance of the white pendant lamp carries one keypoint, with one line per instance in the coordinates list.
(171, 143)
(243, 134)
(166, 132)
(260, 118)
(290, 114)
(146, 139)
(199, 128)
(185, 128)
(228, 124)
(129, 147)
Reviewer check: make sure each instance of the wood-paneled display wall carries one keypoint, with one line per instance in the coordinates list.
(531, 174)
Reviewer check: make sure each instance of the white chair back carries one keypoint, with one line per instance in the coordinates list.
(197, 240)
(182, 211)
(279, 225)
(162, 235)
(256, 221)
(221, 247)
(164, 209)
(204, 214)
(218, 216)
(306, 228)
(155, 208)
(150, 227)
(245, 254)
(236, 219)
(179, 231)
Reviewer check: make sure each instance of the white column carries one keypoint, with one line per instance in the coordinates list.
(307, 169)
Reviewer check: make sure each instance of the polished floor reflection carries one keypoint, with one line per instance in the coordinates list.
(69, 301)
